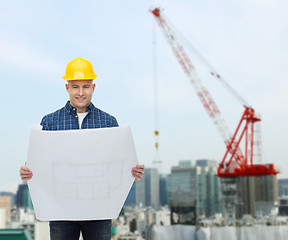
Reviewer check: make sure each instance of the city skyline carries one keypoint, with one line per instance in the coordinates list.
(189, 182)
(239, 39)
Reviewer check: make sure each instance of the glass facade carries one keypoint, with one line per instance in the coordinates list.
(195, 185)
(163, 190)
(283, 187)
(147, 190)
(23, 198)
(131, 198)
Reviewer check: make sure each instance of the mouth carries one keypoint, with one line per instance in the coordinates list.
(80, 99)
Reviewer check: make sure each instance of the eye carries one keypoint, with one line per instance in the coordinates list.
(86, 86)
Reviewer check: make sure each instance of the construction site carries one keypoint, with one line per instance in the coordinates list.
(244, 183)
(217, 176)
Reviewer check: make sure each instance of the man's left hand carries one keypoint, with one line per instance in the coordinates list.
(138, 172)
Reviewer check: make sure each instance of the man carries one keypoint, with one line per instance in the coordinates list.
(79, 113)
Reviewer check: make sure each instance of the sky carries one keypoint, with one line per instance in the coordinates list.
(245, 41)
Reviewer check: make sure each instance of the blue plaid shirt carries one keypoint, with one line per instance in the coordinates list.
(66, 119)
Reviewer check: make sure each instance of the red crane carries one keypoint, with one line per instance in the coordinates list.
(235, 163)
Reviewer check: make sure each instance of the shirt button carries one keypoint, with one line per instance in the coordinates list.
(76, 116)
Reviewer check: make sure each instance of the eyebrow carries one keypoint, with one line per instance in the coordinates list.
(74, 85)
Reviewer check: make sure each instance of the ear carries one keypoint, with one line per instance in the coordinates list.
(94, 85)
(67, 86)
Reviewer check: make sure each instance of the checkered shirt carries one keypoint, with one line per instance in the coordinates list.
(66, 119)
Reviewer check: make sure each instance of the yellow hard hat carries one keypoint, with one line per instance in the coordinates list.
(79, 69)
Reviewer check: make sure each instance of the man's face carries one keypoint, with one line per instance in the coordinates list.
(80, 93)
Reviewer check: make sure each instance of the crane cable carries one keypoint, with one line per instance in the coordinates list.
(208, 66)
(156, 131)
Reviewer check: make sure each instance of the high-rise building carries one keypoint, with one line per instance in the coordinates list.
(283, 187)
(10, 194)
(163, 189)
(256, 195)
(131, 198)
(23, 198)
(283, 206)
(5, 202)
(213, 202)
(206, 163)
(182, 184)
(147, 190)
(195, 184)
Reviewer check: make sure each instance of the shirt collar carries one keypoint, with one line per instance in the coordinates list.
(90, 107)
(72, 110)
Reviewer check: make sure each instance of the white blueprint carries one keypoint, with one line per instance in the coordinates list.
(80, 174)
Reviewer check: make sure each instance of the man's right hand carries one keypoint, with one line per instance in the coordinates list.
(25, 173)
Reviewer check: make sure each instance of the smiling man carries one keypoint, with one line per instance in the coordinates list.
(79, 113)
(80, 93)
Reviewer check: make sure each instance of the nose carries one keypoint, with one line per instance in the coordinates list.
(81, 91)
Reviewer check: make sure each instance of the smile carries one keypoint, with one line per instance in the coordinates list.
(80, 99)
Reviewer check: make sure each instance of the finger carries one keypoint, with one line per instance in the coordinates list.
(25, 172)
(137, 175)
(26, 176)
(140, 166)
(24, 168)
(138, 171)
(26, 179)
(137, 178)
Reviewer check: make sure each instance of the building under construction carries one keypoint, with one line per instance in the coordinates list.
(243, 182)
(262, 195)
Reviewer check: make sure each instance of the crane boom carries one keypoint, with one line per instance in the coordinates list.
(234, 162)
